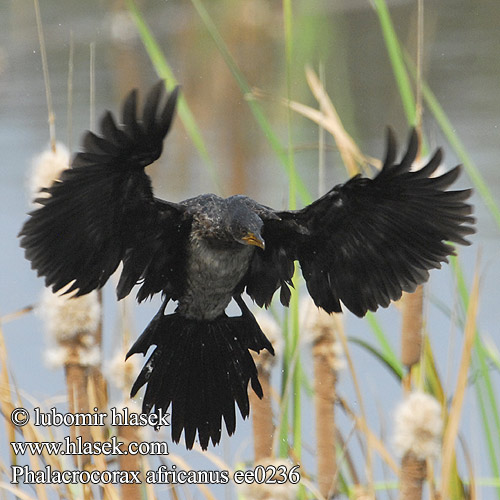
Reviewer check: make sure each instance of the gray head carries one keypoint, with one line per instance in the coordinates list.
(245, 226)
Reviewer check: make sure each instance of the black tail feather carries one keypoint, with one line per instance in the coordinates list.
(200, 369)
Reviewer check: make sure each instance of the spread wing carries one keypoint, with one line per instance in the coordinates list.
(368, 240)
(102, 210)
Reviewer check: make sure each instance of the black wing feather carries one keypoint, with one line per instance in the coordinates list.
(368, 240)
(102, 210)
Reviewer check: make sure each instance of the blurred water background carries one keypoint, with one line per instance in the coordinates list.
(461, 64)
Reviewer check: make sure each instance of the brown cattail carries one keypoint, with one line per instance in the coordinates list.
(262, 410)
(361, 492)
(71, 324)
(327, 359)
(419, 425)
(130, 462)
(413, 473)
(121, 374)
(411, 340)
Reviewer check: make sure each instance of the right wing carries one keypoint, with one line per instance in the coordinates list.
(365, 241)
(102, 210)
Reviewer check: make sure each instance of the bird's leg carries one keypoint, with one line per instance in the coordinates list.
(146, 339)
(255, 337)
(243, 307)
(161, 312)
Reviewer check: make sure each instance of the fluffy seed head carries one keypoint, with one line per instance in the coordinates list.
(46, 168)
(319, 327)
(123, 28)
(56, 356)
(123, 373)
(90, 356)
(59, 355)
(68, 318)
(419, 426)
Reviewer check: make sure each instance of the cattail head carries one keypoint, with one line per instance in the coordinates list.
(319, 327)
(123, 373)
(46, 168)
(71, 324)
(66, 318)
(122, 26)
(361, 492)
(65, 353)
(419, 425)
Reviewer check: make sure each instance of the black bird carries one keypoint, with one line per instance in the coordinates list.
(362, 244)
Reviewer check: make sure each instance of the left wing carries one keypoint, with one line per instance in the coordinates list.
(368, 240)
(102, 210)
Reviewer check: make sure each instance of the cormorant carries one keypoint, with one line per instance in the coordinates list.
(361, 244)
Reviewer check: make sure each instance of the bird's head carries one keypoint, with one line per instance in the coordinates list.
(245, 226)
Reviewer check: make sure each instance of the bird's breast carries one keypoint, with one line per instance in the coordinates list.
(212, 274)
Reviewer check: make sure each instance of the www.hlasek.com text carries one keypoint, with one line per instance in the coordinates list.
(81, 447)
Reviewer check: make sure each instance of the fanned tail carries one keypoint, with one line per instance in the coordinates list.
(200, 368)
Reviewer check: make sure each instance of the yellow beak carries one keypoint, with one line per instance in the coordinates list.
(252, 239)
